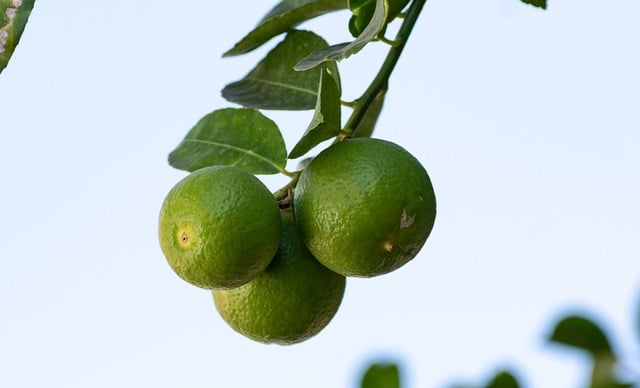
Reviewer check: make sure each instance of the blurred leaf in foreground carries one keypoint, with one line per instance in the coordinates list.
(582, 333)
(341, 51)
(381, 375)
(503, 379)
(537, 3)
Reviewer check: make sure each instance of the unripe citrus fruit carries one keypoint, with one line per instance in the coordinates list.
(291, 301)
(219, 227)
(365, 207)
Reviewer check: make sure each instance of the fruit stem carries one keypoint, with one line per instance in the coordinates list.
(284, 193)
(382, 78)
(288, 173)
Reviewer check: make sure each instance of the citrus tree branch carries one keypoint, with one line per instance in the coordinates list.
(381, 80)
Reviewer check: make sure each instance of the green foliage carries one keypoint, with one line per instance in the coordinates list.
(236, 137)
(273, 84)
(582, 333)
(14, 15)
(574, 331)
(363, 12)
(284, 16)
(287, 79)
(381, 375)
(326, 120)
(344, 50)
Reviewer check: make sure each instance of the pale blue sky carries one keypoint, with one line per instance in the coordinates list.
(527, 121)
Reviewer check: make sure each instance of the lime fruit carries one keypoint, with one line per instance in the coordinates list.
(219, 227)
(291, 301)
(365, 207)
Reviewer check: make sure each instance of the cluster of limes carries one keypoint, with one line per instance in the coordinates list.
(363, 207)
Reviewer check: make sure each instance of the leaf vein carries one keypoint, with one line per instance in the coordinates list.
(284, 85)
(241, 150)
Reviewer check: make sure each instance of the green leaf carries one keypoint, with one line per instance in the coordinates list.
(283, 17)
(363, 11)
(536, 3)
(14, 15)
(381, 376)
(235, 137)
(326, 122)
(582, 333)
(273, 84)
(503, 379)
(368, 123)
(344, 50)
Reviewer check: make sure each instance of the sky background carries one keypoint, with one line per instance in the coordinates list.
(528, 122)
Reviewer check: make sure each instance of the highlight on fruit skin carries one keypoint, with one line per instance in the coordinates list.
(219, 227)
(365, 207)
(291, 301)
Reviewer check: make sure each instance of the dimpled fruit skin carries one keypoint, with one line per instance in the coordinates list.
(365, 207)
(291, 301)
(219, 227)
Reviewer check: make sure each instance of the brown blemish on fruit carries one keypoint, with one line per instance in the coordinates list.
(406, 220)
(184, 238)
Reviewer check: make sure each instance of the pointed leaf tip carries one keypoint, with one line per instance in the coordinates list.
(344, 50)
(284, 16)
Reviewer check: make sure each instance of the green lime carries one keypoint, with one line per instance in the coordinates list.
(219, 227)
(365, 207)
(291, 301)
